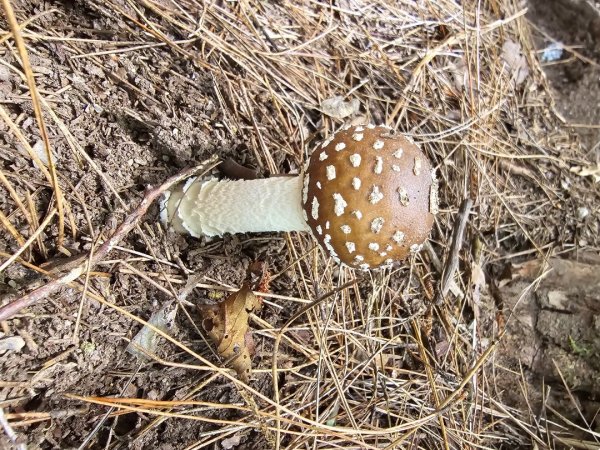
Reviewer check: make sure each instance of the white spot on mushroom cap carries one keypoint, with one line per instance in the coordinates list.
(356, 183)
(378, 145)
(359, 258)
(378, 165)
(374, 246)
(355, 160)
(351, 246)
(357, 214)
(403, 195)
(398, 237)
(330, 172)
(395, 168)
(370, 126)
(417, 167)
(340, 146)
(376, 195)
(389, 248)
(339, 204)
(364, 266)
(328, 246)
(389, 261)
(398, 153)
(359, 129)
(383, 254)
(315, 208)
(318, 184)
(377, 224)
(358, 137)
(327, 225)
(346, 229)
(319, 229)
(327, 142)
(323, 156)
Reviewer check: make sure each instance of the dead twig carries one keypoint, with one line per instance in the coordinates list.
(10, 432)
(451, 264)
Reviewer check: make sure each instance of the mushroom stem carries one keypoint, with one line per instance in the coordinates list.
(214, 207)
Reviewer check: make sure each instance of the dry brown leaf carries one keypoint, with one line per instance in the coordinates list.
(337, 108)
(145, 343)
(227, 325)
(231, 442)
(591, 171)
(512, 55)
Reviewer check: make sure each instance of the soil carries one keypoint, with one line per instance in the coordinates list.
(553, 328)
(138, 135)
(574, 79)
(552, 339)
(140, 121)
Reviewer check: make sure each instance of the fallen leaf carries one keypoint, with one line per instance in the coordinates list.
(477, 275)
(460, 74)
(591, 171)
(227, 325)
(145, 342)
(231, 442)
(515, 60)
(441, 348)
(11, 344)
(337, 108)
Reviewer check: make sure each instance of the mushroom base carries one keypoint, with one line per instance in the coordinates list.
(214, 207)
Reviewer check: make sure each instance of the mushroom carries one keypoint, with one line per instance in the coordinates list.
(367, 195)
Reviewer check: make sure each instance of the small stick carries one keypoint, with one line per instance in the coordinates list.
(10, 433)
(130, 221)
(451, 264)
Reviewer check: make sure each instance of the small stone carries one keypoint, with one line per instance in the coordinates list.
(582, 212)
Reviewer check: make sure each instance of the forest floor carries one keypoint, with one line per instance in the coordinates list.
(134, 91)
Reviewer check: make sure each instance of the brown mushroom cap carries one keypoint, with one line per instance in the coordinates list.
(369, 196)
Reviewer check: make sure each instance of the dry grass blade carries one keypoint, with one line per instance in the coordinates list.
(35, 98)
(26, 245)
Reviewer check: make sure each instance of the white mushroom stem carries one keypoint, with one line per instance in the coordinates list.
(213, 207)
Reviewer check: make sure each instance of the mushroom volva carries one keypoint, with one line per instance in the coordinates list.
(367, 194)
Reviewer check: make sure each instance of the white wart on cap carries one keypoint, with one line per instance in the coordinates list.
(370, 196)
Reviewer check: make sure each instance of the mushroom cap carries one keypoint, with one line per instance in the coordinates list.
(369, 196)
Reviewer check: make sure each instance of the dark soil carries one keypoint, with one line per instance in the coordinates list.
(575, 82)
(554, 326)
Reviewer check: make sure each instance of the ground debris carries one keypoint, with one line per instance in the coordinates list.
(11, 344)
(145, 342)
(515, 60)
(338, 108)
(227, 325)
(552, 333)
(133, 90)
